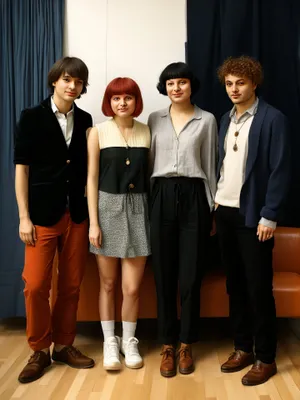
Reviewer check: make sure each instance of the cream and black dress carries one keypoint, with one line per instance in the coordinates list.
(122, 200)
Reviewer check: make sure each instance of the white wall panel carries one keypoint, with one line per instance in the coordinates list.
(135, 38)
(85, 37)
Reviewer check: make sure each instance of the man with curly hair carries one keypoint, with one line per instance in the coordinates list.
(253, 180)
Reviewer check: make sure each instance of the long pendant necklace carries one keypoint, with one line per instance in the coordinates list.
(237, 132)
(127, 160)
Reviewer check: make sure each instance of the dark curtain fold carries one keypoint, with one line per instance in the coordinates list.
(268, 30)
(31, 41)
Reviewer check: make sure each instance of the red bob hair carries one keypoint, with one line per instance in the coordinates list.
(122, 86)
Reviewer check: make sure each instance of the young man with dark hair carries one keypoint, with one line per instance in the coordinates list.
(51, 172)
(253, 177)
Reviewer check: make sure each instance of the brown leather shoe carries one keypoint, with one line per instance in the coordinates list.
(168, 362)
(73, 357)
(237, 361)
(35, 367)
(186, 364)
(259, 373)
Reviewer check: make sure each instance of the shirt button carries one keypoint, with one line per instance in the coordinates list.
(175, 165)
(131, 186)
(68, 161)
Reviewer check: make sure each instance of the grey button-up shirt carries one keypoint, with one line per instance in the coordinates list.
(190, 154)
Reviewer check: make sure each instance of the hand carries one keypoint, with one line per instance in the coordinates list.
(264, 232)
(95, 235)
(27, 231)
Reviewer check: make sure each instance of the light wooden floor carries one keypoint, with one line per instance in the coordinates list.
(207, 382)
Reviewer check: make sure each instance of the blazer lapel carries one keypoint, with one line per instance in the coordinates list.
(53, 124)
(254, 135)
(75, 126)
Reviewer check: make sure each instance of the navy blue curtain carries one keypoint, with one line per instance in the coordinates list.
(268, 30)
(31, 41)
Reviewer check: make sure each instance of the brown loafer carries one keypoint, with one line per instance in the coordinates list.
(168, 362)
(237, 361)
(186, 363)
(259, 373)
(35, 367)
(73, 357)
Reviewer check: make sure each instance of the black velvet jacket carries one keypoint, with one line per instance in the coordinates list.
(57, 174)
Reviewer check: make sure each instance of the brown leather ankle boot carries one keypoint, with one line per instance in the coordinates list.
(186, 363)
(168, 362)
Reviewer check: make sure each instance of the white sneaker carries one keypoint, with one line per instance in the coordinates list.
(111, 349)
(130, 350)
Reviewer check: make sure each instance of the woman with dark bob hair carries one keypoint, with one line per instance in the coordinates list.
(183, 181)
(117, 201)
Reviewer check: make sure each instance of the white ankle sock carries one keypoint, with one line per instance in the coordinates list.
(108, 328)
(128, 329)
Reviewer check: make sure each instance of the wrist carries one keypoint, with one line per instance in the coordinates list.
(94, 225)
(24, 217)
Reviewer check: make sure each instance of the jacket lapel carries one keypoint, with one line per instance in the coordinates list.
(75, 126)
(254, 136)
(53, 124)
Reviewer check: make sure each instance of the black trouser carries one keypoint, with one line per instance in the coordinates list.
(248, 264)
(180, 224)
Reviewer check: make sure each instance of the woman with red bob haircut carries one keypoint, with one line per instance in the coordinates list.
(118, 209)
(119, 86)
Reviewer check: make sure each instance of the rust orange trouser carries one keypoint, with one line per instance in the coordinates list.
(71, 241)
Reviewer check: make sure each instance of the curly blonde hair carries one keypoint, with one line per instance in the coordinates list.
(243, 66)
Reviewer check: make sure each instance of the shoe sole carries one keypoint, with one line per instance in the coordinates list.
(168, 374)
(75, 366)
(187, 371)
(136, 366)
(112, 367)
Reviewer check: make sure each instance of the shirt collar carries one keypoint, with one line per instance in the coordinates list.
(55, 109)
(197, 112)
(251, 110)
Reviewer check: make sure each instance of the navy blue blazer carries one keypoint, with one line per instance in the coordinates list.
(268, 170)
